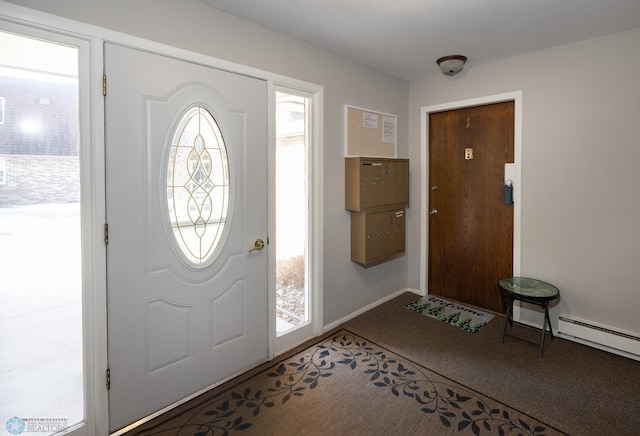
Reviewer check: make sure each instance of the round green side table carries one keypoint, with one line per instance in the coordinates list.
(531, 291)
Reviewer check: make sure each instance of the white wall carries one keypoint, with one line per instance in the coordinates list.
(581, 159)
(191, 25)
(580, 168)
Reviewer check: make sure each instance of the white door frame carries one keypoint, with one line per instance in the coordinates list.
(92, 127)
(93, 208)
(516, 97)
(315, 248)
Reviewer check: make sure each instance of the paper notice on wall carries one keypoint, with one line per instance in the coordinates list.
(388, 129)
(370, 133)
(369, 120)
(509, 173)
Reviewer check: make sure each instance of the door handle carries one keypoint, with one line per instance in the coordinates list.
(433, 212)
(258, 245)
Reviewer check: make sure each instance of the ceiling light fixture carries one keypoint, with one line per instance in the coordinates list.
(451, 65)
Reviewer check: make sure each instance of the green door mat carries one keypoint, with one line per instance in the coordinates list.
(466, 318)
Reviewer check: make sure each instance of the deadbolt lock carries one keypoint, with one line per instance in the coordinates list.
(468, 153)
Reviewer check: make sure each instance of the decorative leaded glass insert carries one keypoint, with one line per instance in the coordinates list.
(198, 185)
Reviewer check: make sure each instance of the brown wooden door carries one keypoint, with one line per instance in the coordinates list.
(471, 236)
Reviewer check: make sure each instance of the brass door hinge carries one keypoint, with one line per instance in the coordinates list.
(106, 234)
(104, 84)
(108, 379)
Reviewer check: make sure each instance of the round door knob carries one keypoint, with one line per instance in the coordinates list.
(258, 245)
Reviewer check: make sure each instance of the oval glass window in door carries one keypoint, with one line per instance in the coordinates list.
(198, 185)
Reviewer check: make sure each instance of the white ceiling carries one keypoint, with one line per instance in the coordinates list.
(405, 37)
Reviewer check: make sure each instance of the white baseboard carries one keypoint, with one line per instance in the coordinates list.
(600, 336)
(416, 291)
(366, 308)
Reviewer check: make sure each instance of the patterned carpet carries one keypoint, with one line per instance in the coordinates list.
(344, 385)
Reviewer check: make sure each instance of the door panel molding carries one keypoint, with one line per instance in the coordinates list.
(157, 109)
(516, 97)
(168, 347)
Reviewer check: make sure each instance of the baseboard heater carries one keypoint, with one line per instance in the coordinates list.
(599, 336)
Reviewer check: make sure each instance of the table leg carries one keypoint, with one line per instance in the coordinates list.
(544, 330)
(507, 319)
(545, 323)
(546, 314)
(508, 306)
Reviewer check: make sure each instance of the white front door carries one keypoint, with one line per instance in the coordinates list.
(186, 201)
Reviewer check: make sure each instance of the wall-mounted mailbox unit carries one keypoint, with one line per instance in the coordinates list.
(376, 182)
(377, 236)
(377, 193)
